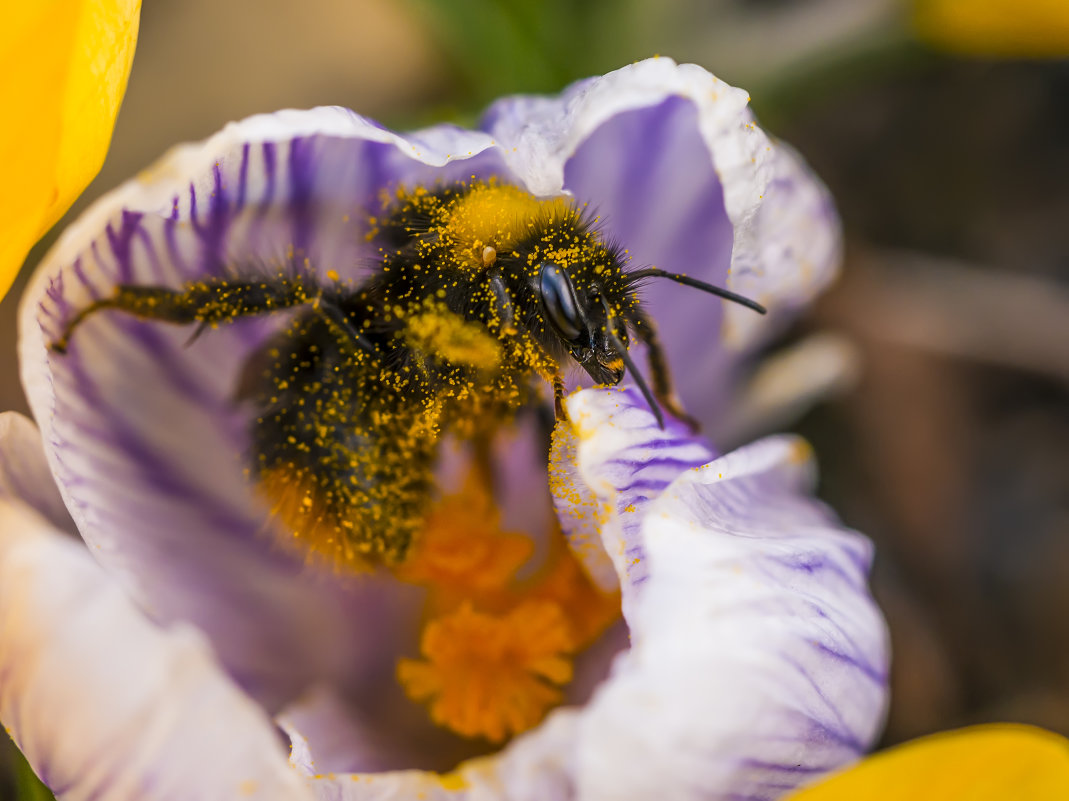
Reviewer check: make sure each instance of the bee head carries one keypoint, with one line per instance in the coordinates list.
(579, 313)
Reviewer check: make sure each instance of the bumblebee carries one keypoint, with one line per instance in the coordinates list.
(479, 288)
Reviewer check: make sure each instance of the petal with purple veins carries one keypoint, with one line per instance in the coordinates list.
(758, 659)
(143, 435)
(608, 466)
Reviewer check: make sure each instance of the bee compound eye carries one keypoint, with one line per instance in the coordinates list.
(559, 303)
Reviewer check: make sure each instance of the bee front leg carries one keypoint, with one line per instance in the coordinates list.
(558, 397)
(206, 302)
(659, 371)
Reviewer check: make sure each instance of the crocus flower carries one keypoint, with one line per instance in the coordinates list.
(981, 763)
(753, 659)
(995, 28)
(63, 71)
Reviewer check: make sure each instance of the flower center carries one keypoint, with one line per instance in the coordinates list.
(491, 675)
(496, 649)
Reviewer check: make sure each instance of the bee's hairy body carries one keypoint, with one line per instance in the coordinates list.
(480, 287)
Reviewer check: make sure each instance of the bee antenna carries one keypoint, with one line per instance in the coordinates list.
(726, 294)
(630, 364)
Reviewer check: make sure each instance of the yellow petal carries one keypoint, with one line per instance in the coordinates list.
(982, 763)
(63, 71)
(1007, 28)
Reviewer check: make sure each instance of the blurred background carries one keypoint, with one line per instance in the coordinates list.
(942, 129)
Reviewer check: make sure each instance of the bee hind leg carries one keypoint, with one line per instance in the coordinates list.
(341, 326)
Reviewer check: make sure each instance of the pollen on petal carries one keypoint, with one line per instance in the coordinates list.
(491, 676)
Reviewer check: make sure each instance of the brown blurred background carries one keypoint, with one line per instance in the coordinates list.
(952, 176)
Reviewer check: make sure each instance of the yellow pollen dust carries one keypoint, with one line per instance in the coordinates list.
(491, 676)
(452, 338)
(495, 216)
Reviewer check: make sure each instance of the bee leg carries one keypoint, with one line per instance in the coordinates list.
(558, 397)
(206, 302)
(340, 324)
(662, 376)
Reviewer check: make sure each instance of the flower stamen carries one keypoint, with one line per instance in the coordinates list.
(496, 649)
(462, 551)
(491, 676)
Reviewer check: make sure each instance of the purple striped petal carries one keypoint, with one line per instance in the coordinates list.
(24, 473)
(144, 439)
(623, 464)
(671, 160)
(104, 704)
(758, 658)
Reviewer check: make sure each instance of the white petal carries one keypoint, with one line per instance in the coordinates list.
(24, 472)
(107, 706)
(786, 240)
(758, 658)
(607, 467)
(535, 767)
(787, 254)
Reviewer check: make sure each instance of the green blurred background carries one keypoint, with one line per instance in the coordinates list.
(950, 445)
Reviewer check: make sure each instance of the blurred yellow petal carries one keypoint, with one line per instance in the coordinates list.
(1006, 28)
(982, 763)
(63, 71)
